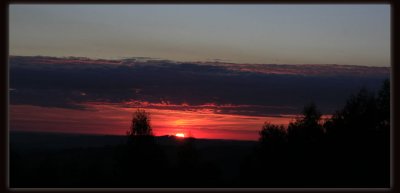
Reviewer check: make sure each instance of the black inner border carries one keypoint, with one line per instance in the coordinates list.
(395, 118)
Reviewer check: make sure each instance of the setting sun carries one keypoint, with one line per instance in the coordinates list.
(180, 135)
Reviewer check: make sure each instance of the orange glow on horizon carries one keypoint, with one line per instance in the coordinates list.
(115, 120)
(179, 122)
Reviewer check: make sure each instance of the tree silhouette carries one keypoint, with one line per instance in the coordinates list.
(272, 136)
(358, 117)
(141, 162)
(308, 128)
(140, 124)
(383, 134)
(383, 101)
(270, 161)
(360, 133)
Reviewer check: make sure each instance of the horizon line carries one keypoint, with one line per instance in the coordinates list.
(116, 135)
(214, 61)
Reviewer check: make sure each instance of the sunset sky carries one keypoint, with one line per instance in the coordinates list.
(207, 71)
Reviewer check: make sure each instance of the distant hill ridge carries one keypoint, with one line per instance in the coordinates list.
(56, 141)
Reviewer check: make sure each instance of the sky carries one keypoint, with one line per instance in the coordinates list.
(269, 34)
(207, 71)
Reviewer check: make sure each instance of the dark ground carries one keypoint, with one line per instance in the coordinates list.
(75, 159)
(42, 160)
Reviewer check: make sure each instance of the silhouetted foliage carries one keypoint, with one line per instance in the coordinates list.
(383, 101)
(360, 133)
(272, 136)
(140, 124)
(359, 115)
(351, 149)
(363, 113)
(306, 129)
(141, 162)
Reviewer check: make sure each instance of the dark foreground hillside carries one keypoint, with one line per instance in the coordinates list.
(72, 160)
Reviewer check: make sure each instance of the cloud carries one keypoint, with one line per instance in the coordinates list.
(224, 88)
(256, 110)
(312, 69)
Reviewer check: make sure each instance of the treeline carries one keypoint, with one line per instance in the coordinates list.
(350, 149)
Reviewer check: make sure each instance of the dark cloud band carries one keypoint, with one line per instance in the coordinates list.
(71, 82)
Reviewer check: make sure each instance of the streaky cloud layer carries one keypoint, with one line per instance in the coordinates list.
(266, 89)
(203, 99)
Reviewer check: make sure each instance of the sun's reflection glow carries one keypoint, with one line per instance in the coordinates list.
(115, 120)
